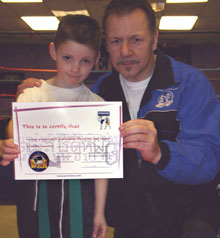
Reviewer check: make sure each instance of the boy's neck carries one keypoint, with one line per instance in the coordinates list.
(54, 82)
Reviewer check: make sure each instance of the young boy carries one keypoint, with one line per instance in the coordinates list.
(76, 51)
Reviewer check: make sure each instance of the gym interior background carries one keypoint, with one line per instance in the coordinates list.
(28, 57)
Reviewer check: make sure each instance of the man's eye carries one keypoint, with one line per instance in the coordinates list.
(136, 39)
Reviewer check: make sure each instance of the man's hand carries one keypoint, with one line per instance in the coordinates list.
(9, 152)
(28, 83)
(141, 135)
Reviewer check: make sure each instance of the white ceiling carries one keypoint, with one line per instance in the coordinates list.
(13, 30)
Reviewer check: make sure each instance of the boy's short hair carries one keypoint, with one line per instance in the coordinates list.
(122, 7)
(79, 28)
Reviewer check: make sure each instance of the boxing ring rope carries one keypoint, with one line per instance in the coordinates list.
(2, 68)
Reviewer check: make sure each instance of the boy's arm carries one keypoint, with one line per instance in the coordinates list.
(100, 226)
(8, 150)
(0, 147)
(9, 130)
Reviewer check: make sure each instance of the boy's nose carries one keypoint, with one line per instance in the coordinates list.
(75, 68)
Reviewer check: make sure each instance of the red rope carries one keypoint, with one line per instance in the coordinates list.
(25, 69)
(7, 95)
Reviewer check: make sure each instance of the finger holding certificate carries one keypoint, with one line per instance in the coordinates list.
(68, 140)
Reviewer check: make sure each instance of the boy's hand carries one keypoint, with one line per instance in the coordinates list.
(100, 227)
(28, 83)
(8, 151)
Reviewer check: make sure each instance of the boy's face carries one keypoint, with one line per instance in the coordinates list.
(74, 62)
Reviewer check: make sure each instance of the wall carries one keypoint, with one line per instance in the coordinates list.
(208, 57)
(26, 56)
(37, 57)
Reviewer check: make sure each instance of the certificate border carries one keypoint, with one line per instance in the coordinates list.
(17, 110)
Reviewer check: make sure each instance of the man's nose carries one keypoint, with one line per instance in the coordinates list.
(126, 49)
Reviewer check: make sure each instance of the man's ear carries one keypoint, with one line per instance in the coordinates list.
(155, 39)
(52, 50)
(98, 57)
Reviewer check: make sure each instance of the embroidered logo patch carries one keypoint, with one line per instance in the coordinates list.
(165, 100)
(38, 161)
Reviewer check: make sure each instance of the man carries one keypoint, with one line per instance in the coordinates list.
(171, 133)
(172, 148)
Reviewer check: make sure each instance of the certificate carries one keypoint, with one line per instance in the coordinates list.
(68, 140)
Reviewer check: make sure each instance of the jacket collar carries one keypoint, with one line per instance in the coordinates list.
(162, 76)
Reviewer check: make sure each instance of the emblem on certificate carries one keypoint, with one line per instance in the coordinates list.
(38, 161)
(104, 119)
(68, 140)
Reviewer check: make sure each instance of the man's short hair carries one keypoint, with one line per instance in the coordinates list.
(79, 28)
(123, 7)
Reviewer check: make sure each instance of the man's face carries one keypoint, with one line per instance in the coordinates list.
(130, 44)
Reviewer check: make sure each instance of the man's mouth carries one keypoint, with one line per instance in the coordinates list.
(127, 62)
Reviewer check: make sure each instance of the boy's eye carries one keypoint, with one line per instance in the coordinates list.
(86, 61)
(66, 57)
(115, 41)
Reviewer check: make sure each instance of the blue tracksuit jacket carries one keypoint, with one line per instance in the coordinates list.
(186, 112)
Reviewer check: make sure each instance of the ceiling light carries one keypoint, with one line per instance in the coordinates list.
(177, 22)
(48, 23)
(158, 6)
(185, 1)
(64, 13)
(21, 1)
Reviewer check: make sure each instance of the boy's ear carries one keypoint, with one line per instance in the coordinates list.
(98, 57)
(52, 50)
